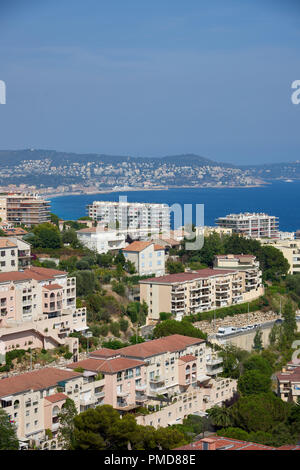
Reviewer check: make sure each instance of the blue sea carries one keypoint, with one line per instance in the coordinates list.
(279, 198)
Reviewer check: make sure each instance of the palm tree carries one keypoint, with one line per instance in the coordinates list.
(220, 416)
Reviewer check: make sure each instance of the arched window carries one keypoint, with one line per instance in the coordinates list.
(16, 404)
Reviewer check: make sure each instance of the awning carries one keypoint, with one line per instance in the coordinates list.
(88, 373)
(9, 398)
(202, 378)
(82, 328)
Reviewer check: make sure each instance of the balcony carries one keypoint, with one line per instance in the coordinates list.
(122, 394)
(212, 372)
(140, 388)
(157, 379)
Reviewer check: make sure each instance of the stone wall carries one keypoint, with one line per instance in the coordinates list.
(242, 319)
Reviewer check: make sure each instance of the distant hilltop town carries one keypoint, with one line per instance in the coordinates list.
(60, 173)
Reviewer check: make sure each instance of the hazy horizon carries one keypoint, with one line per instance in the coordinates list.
(152, 79)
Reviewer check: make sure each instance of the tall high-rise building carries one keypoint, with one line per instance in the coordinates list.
(129, 215)
(24, 208)
(252, 225)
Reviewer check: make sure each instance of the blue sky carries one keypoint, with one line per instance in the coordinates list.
(152, 78)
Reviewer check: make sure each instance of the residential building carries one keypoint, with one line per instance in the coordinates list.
(15, 254)
(178, 369)
(245, 263)
(252, 225)
(100, 240)
(24, 208)
(173, 367)
(147, 257)
(226, 443)
(288, 383)
(290, 250)
(195, 291)
(38, 309)
(131, 215)
(33, 401)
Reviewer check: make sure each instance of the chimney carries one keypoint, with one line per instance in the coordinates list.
(208, 444)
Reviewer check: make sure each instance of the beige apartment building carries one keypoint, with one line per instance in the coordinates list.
(246, 263)
(38, 309)
(195, 291)
(33, 401)
(147, 257)
(174, 366)
(290, 250)
(181, 369)
(24, 208)
(288, 382)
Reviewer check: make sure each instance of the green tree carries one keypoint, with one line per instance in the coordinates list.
(261, 412)
(220, 416)
(289, 321)
(258, 363)
(253, 382)
(66, 424)
(8, 435)
(257, 342)
(123, 325)
(171, 327)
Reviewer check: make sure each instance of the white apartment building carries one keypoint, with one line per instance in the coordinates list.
(100, 239)
(131, 215)
(147, 257)
(252, 225)
(15, 254)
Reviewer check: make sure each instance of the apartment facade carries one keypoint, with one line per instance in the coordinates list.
(246, 263)
(121, 378)
(179, 369)
(131, 215)
(195, 291)
(14, 254)
(24, 208)
(252, 225)
(148, 257)
(33, 401)
(290, 250)
(38, 309)
(288, 383)
(100, 240)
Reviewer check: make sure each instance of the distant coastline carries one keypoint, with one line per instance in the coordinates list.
(118, 190)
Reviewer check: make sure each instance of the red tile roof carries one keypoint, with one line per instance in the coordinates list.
(104, 352)
(140, 246)
(5, 243)
(52, 286)
(34, 272)
(108, 366)
(188, 276)
(41, 274)
(188, 358)
(224, 443)
(170, 343)
(56, 397)
(36, 380)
